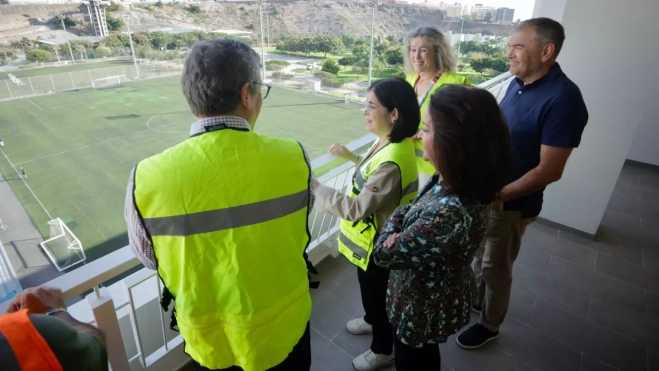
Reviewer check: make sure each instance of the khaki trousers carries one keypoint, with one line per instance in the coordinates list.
(493, 265)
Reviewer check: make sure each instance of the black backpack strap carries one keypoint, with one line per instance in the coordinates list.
(167, 298)
(311, 269)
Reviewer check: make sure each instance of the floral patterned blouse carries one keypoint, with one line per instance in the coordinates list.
(430, 286)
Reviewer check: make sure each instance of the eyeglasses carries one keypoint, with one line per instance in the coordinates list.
(265, 89)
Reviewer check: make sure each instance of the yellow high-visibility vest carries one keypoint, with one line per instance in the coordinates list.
(357, 239)
(227, 213)
(446, 78)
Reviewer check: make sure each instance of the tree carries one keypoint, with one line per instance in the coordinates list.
(348, 41)
(358, 70)
(38, 55)
(113, 7)
(158, 4)
(159, 39)
(23, 43)
(377, 67)
(327, 44)
(275, 11)
(6, 56)
(141, 39)
(331, 66)
(279, 62)
(275, 67)
(116, 41)
(68, 22)
(46, 47)
(481, 62)
(487, 17)
(114, 24)
(360, 51)
(399, 72)
(394, 56)
(347, 61)
(102, 51)
(194, 9)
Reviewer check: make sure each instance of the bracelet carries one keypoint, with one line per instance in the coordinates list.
(55, 311)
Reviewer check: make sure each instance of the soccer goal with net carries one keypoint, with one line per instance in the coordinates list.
(63, 248)
(108, 81)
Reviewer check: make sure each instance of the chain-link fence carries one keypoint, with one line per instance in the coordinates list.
(18, 87)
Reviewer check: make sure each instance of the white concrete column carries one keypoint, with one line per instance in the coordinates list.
(610, 52)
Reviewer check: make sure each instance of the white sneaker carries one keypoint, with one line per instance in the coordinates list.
(370, 361)
(358, 326)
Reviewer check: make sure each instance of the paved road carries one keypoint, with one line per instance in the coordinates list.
(21, 238)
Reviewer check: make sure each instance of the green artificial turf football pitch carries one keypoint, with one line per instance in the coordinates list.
(78, 147)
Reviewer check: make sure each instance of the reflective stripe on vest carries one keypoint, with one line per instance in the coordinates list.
(233, 217)
(30, 349)
(227, 212)
(357, 239)
(446, 78)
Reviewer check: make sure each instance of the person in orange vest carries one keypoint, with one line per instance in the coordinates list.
(37, 334)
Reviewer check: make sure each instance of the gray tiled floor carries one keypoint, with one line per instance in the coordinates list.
(576, 304)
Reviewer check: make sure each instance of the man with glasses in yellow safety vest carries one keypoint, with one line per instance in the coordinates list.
(223, 217)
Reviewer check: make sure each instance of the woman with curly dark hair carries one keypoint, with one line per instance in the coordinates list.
(429, 244)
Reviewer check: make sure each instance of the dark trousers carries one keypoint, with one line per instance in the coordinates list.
(416, 359)
(373, 285)
(299, 359)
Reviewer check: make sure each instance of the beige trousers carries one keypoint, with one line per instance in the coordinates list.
(493, 265)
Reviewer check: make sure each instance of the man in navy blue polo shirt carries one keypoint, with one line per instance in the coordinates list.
(546, 116)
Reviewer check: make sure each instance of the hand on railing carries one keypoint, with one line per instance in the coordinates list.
(42, 299)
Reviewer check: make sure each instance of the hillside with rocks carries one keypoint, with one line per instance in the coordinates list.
(293, 18)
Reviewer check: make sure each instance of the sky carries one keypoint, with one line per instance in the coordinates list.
(523, 8)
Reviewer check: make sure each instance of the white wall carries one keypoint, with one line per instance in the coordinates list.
(553, 9)
(645, 146)
(618, 77)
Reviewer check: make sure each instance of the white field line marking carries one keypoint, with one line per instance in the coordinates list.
(27, 185)
(35, 104)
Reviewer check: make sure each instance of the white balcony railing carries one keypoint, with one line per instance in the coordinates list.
(137, 330)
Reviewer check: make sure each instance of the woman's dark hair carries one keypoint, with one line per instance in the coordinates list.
(471, 142)
(399, 94)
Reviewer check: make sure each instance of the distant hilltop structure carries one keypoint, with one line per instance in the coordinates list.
(97, 18)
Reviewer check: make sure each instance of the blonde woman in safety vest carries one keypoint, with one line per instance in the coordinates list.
(385, 178)
(429, 63)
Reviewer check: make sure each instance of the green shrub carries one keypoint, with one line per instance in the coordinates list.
(277, 61)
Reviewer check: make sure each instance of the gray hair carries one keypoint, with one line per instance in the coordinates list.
(444, 57)
(214, 72)
(548, 31)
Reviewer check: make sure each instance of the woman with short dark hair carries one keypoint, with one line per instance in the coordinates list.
(385, 178)
(429, 244)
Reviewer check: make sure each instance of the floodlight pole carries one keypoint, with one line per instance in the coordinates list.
(462, 18)
(130, 39)
(61, 17)
(370, 59)
(267, 26)
(262, 50)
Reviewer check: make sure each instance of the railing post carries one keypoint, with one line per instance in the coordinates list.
(106, 318)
